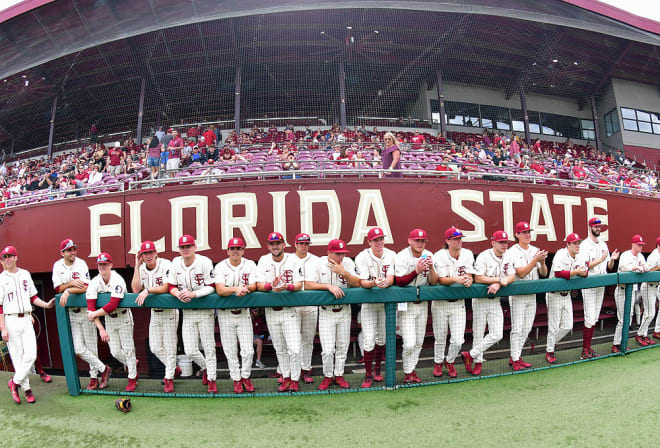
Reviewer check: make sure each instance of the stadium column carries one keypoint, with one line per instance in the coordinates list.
(141, 112)
(594, 116)
(441, 101)
(342, 96)
(390, 345)
(52, 129)
(523, 106)
(626, 318)
(237, 101)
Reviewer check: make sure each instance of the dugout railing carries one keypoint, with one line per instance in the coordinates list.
(390, 297)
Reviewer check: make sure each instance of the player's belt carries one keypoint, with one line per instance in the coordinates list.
(653, 284)
(76, 310)
(452, 300)
(236, 312)
(158, 310)
(277, 308)
(563, 293)
(334, 310)
(22, 314)
(113, 315)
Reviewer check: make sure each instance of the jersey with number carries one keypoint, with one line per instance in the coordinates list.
(490, 265)
(405, 263)
(590, 251)
(158, 276)
(16, 292)
(520, 257)
(322, 273)
(371, 267)
(306, 265)
(653, 260)
(230, 275)
(563, 261)
(447, 266)
(193, 277)
(627, 261)
(116, 287)
(287, 269)
(64, 274)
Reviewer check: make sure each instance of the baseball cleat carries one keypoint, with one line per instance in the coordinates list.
(649, 341)
(550, 357)
(169, 386)
(467, 359)
(407, 379)
(415, 378)
(592, 353)
(378, 376)
(361, 360)
(585, 354)
(307, 377)
(437, 370)
(259, 364)
(656, 335)
(247, 385)
(451, 369)
(213, 388)
(280, 379)
(327, 381)
(29, 396)
(516, 366)
(641, 341)
(285, 385)
(14, 391)
(476, 368)
(367, 382)
(46, 378)
(293, 386)
(177, 372)
(238, 387)
(523, 364)
(93, 384)
(105, 376)
(341, 382)
(205, 378)
(132, 384)
(616, 348)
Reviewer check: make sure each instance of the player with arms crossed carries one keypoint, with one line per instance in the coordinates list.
(413, 267)
(490, 269)
(454, 265)
(560, 306)
(17, 295)
(192, 279)
(595, 255)
(375, 267)
(529, 264)
(71, 276)
(119, 325)
(309, 315)
(151, 276)
(653, 264)
(235, 275)
(334, 273)
(278, 271)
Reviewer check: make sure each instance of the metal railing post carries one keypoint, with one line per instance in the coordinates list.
(66, 345)
(627, 314)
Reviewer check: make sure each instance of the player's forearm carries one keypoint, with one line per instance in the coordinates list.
(204, 291)
(158, 289)
(353, 280)
(40, 303)
(448, 281)
(224, 291)
(317, 286)
(367, 284)
(136, 282)
(486, 280)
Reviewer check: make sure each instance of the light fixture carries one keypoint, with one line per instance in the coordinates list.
(555, 60)
(27, 82)
(533, 64)
(575, 63)
(349, 27)
(322, 33)
(552, 86)
(376, 31)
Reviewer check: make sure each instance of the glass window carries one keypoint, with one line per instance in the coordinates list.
(587, 124)
(643, 116)
(495, 117)
(562, 125)
(462, 114)
(534, 122)
(588, 135)
(630, 125)
(655, 118)
(612, 122)
(517, 120)
(628, 113)
(644, 126)
(656, 128)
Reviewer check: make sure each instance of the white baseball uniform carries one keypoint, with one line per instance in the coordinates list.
(119, 323)
(83, 332)
(198, 324)
(449, 315)
(653, 287)
(372, 315)
(488, 310)
(560, 305)
(627, 261)
(334, 320)
(164, 322)
(523, 308)
(236, 323)
(412, 321)
(283, 322)
(593, 297)
(17, 291)
(309, 316)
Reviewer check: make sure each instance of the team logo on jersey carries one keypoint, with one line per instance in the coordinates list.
(158, 281)
(287, 276)
(342, 279)
(385, 268)
(505, 268)
(245, 278)
(118, 289)
(461, 270)
(75, 275)
(87, 275)
(199, 279)
(25, 285)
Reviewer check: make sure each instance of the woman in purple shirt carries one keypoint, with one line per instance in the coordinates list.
(391, 156)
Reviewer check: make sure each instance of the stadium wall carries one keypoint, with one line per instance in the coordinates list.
(604, 105)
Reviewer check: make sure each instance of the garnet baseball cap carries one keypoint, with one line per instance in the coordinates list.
(236, 242)
(275, 236)
(657, 241)
(147, 246)
(453, 233)
(637, 239)
(595, 222)
(303, 238)
(9, 250)
(67, 244)
(500, 235)
(186, 240)
(374, 233)
(418, 234)
(103, 258)
(522, 227)
(337, 246)
(573, 238)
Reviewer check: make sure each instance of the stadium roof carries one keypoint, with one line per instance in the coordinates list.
(93, 55)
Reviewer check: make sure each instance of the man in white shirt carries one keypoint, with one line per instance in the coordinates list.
(653, 264)
(454, 265)
(490, 269)
(17, 295)
(151, 276)
(375, 267)
(308, 314)
(235, 275)
(334, 273)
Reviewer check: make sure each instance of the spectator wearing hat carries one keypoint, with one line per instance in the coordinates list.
(308, 314)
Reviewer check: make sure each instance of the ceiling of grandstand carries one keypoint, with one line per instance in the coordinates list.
(93, 55)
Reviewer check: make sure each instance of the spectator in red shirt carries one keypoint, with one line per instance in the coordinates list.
(417, 141)
(228, 154)
(579, 173)
(193, 132)
(175, 148)
(116, 160)
(209, 137)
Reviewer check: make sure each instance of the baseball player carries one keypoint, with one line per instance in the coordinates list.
(595, 255)
(631, 261)
(653, 264)
(454, 265)
(278, 271)
(413, 267)
(375, 267)
(334, 273)
(192, 278)
(560, 306)
(119, 324)
(308, 314)
(491, 269)
(17, 295)
(236, 275)
(71, 276)
(529, 263)
(151, 276)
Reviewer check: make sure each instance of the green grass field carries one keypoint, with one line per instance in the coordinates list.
(610, 402)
